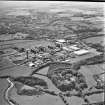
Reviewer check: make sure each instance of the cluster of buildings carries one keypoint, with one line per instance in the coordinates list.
(61, 51)
(77, 48)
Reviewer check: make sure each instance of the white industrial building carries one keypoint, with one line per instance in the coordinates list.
(61, 40)
(81, 52)
(74, 47)
(67, 49)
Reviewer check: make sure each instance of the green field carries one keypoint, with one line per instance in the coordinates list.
(94, 40)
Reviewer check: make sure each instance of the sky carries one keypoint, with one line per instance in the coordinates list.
(46, 3)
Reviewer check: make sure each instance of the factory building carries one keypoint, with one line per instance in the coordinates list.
(61, 40)
(81, 52)
(74, 47)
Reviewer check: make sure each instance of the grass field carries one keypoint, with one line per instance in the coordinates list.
(26, 43)
(3, 87)
(88, 72)
(94, 40)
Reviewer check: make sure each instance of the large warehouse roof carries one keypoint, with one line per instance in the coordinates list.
(68, 49)
(74, 47)
(61, 40)
(81, 52)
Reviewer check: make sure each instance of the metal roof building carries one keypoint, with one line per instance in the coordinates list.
(74, 47)
(61, 40)
(81, 52)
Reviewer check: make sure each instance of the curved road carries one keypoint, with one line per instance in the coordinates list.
(7, 91)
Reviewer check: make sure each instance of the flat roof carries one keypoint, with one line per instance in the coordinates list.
(61, 40)
(81, 52)
(68, 49)
(74, 47)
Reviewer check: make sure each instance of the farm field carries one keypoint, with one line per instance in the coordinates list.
(90, 70)
(97, 39)
(26, 43)
(3, 86)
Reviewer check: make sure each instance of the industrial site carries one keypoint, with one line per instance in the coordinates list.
(52, 53)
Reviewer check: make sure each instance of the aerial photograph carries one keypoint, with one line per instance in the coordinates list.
(52, 53)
